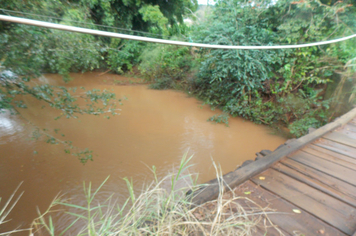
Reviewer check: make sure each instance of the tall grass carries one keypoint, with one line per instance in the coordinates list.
(7, 208)
(157, 210)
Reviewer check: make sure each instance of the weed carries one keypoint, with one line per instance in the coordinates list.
(223, 118)
(157, 210)
(6, 209)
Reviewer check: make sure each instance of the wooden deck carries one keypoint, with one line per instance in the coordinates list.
(312, 188)
(319, 181)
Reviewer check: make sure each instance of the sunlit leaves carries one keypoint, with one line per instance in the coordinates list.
(153, 14)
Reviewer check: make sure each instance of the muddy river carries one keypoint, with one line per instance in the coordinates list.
(153, 128)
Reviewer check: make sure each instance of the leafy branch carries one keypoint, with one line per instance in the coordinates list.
(83, 155)
(64, 99)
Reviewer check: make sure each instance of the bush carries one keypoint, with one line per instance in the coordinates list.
(166, 66)
(123, 56)
(301, 127)
(275, 87)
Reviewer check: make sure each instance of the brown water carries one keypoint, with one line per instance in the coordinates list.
(154, 128)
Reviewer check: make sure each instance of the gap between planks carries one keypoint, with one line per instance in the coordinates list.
(284, 217)
(319, 204)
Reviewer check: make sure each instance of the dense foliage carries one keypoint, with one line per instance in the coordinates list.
(279, 87)
(295, 88)
(56, 51)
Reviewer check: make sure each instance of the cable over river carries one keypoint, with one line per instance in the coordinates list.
(154, 128)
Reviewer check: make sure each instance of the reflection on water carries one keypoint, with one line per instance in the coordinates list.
(154, 128)
(9, 125)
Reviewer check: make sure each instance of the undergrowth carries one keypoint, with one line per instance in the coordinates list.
(287, 89)
(157, 210)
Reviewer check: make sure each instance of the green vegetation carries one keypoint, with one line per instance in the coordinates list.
(166, 66)
(157, 210)
(294, 88)
(277, 87)
(223, 118)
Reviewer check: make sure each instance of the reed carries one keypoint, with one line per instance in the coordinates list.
(5, 210)
(157, 210)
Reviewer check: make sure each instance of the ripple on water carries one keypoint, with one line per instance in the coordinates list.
(10, 127)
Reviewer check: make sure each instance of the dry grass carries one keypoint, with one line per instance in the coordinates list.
(5, 210)
(156, 210)
(160, 211)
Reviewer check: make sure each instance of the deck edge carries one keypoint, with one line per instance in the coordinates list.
(239, 176)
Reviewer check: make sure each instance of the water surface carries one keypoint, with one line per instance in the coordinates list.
(154, 128)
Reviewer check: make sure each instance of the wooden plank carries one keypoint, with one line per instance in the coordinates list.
(232, 179)
(339, 185)
(284, 217)
(349, 130)
(332, 153)
(336, 158)
(264, 231)
(340, 172)
(336, 147)
(332, 211)
(341, 138)
(257, 214)
(315, 183)
(351, 127)
(353, 121)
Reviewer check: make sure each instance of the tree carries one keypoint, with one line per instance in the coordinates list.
(131, 13)
(280, 87)
(28, 51)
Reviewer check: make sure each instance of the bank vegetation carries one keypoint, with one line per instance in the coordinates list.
(289, 89)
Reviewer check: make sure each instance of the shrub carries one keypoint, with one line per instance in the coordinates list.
(275, 87)
(165, 65)
(123, 56)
